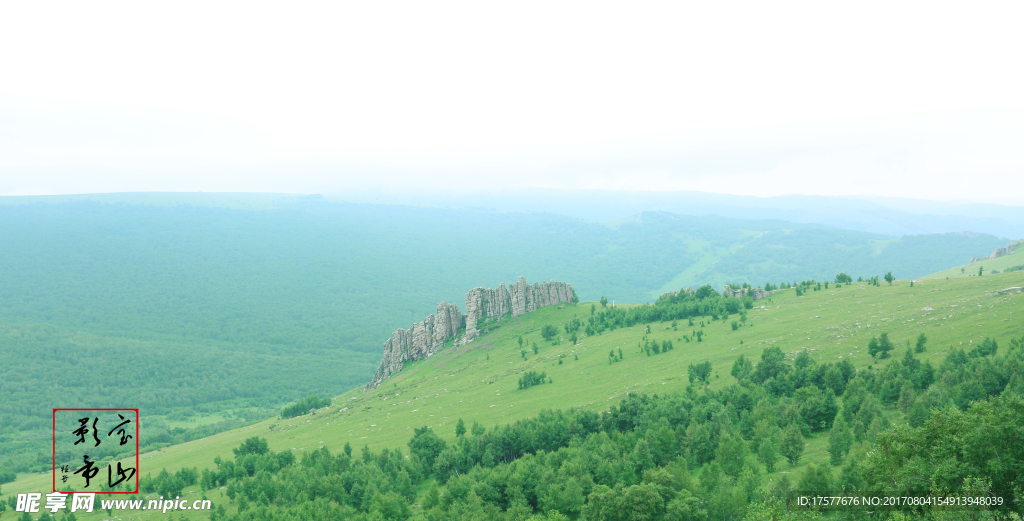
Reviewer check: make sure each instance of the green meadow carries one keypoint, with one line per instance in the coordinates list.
(1000, 264)
(478, 382)
(178, 303)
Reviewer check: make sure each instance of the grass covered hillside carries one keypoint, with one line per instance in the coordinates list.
(727, 428)
(177, 302)
(1012, 262)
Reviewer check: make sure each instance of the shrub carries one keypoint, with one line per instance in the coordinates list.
(303, 406)
(548, 331)
(531, 378)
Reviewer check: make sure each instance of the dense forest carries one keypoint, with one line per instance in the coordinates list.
(172, 383)
(177, 309)
(904, 429)
(324, 276)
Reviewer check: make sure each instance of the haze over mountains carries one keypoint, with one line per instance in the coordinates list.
(355, 272)
(888, 215)
(892, 215)
(232, 215)
(300, 292)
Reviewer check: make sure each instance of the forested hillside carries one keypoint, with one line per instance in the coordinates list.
(700, 406)
(178, 308)
(321, 275)
(778, 427)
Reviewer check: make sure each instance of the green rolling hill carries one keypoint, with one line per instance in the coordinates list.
(479, 382)
(299, 293)
(1012, 262)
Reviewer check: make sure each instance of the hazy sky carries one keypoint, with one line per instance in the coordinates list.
(917, 99)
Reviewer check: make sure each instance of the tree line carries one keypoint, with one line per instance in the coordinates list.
(699, 454)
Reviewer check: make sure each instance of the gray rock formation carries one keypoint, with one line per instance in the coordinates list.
(753, 293)
(727, 291)
(688, 291)
(999, 252)
(483, 305)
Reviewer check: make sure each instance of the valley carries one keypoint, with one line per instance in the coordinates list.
(477, 382)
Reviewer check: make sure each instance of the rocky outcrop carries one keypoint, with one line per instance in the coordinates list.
(688, 291)
(727, 291)
(999, 252)
(753, 293)
(483, 305)
(421, 340)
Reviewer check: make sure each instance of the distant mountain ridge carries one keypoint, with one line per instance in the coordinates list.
(891, 216)
(301, 290)
(885, 215)
(280, 273)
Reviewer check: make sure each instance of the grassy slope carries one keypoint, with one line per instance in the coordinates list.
(478, 382)
(310, 280)
(971, 270)
(789, 254)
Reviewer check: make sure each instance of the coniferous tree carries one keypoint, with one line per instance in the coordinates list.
(432, 498)
(918, 414)
(549, 331)
(731, 453)
(906, 399)
(839, 441)
(792, 445)
(742, 368)
(426, 445)
(880, 346)
(768, 451)
(772, 365)
(477, 430)
(884, 345)
(816, 479)
(850, 479)
(699, 372)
